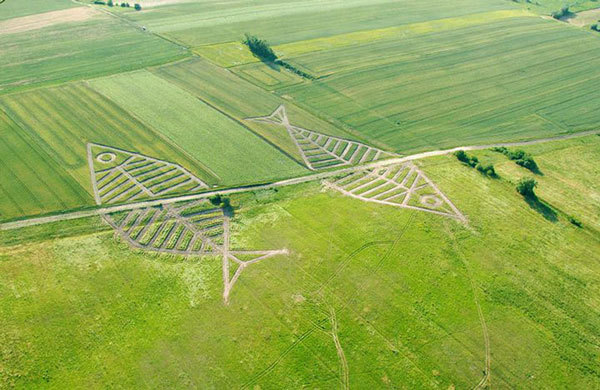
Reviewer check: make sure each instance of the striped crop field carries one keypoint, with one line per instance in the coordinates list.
(517, 78)
(64, 119)
(32, 182)
(232, 152)
(240, 99)
(15, 9)
(77, 50)
(205, 23)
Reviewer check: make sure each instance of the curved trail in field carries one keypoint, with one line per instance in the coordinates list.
(344, 371)
(297, 180)
(485, 380)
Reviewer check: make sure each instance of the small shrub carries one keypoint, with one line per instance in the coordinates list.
(463, 157)
(595, 27)
(500, 149)
(564, 11)
(487, 169)
(110, 3)
(215, 199)
(528, 163)
(137, 7)
(575, 222)
(99, 2)
(526, 187)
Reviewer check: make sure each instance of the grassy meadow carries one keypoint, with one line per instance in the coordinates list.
(399, 290)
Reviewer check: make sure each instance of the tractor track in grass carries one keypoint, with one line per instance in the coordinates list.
(297, 180)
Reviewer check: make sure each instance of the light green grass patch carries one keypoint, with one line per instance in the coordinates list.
(232, 152)
(235, 53)
(227, 54)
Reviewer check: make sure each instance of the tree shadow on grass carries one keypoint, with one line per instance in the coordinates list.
(542, 208)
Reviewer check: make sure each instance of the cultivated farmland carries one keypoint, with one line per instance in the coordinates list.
(232, 152)
(293, 194)
(396, 284)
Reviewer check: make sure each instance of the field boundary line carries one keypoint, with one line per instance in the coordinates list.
(282, 183)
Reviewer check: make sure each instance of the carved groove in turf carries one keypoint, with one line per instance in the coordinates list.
(400, 185)
(320, 151)
(122, 176)
(190, 229)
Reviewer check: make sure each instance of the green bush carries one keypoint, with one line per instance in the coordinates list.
(216, 199)
(564, 11)
(137, 7)
(110, 3)
(595, 27)
(520, 157)
(487, 169)
(526, 187)
(463, 157)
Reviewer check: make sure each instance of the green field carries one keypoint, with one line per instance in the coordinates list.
(86, 311)
(232, 152)
(15, 9)
(351, 278)
(31, 182)
(203, 23)
(62, 120)
(514, 79)
(78, 50)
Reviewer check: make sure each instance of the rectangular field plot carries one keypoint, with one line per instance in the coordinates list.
(69, 51)
(283, 21)
(63, 120)
(239, 99)
(31, 182)
(512, 79)
(15, 9)
(232, 152)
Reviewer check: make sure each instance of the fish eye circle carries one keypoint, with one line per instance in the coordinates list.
(106, 157)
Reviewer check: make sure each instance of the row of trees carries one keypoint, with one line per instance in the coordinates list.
(262, 49)
(520, 157)
(110, 3)
(472, 161)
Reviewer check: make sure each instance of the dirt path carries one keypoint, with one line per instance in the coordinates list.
(485, 380)
(282, 183)
(344, 372)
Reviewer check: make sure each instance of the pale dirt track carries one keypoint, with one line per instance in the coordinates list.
(282, 183)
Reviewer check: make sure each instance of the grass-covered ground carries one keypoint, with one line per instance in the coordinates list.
(396, 290)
